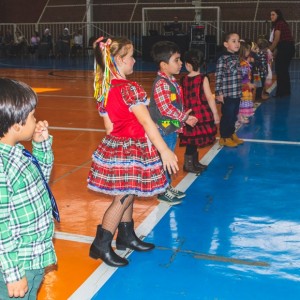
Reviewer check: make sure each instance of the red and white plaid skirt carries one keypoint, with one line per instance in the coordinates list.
(127, 166)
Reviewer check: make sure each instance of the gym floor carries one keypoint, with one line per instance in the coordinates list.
(235, 236)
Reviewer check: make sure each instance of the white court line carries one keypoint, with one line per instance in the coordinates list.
(272, 142)
(77, 129)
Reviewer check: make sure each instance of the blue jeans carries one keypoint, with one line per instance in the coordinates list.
(34, 279)
(230, 110)
(170, 140)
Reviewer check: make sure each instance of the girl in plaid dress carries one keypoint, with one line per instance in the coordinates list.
(126, 163)
(198, 97)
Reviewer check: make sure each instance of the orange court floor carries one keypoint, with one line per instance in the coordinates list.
(66, 102)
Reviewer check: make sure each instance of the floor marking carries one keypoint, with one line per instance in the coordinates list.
(65, 96)
(77, 129)
(72, 171)
(272, 142)
(219, 258)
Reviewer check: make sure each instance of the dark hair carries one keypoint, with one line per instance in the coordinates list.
(195, 58)
(228, 36)
(163, 50)
(279, 16)
(17, 100)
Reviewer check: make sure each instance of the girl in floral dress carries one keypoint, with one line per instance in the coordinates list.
(246, 109)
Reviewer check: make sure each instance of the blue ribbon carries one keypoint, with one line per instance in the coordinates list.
(55, 211)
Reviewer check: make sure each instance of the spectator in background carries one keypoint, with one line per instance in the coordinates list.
(34, 43)
(8, 42)
(283, 42)
(46, 44)
(175, 27)
(63, 44)
(77, 43)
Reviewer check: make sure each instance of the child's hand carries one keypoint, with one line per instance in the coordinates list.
(41, 132)
(18, 288)
(220, 98)
(191, 120)
(169, 160)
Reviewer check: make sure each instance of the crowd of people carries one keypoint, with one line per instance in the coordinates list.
(136, 157)
(43, 46)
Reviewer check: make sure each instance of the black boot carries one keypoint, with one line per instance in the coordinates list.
(127, 238)
(101, 248)
(197, 164)
(188, 165)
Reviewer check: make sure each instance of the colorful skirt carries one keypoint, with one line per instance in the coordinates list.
(127, 166)
(246, 104)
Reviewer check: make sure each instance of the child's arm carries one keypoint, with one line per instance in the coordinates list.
(10, 267)
(107, 124)
(220, 70)
(168, 158)
(42, 148)
(162, 96)
(210, 99)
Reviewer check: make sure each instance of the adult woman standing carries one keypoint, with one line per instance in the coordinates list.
(282, 40)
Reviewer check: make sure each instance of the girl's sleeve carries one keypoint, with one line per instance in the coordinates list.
(134, 94)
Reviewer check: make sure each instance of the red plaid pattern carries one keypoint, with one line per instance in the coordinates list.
(126, 166)
(204, 132)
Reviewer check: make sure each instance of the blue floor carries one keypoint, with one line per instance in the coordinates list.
(237, 234)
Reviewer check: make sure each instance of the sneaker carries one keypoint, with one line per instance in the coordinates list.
(169, 198)
(178, 194)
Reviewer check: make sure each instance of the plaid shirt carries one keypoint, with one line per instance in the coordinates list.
(162, 96)
(26, 224)
(285, 32)
(228, 76)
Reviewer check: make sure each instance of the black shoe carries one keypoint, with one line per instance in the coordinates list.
(101, 248)
(127, 238)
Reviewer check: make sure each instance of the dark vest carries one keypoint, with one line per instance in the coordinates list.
(166, 124)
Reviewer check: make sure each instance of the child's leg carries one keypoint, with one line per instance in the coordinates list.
(101, 246)
(170, 140)
(115, 212)
(229, 109)
(34, 279)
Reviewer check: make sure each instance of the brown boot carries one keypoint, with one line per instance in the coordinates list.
(227, 142)
(236, 139)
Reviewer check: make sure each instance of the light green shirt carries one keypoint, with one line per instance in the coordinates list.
(26, 223)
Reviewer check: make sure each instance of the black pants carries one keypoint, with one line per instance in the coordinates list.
(230, 109)
(285, 53)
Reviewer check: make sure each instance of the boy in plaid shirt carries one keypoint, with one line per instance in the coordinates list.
(26, 224)
(228, 90)
(166, 107)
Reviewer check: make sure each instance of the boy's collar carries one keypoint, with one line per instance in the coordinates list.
(230, 53)
(162, 74)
